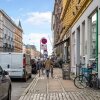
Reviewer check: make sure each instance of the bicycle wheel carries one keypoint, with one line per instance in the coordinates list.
(80, 82)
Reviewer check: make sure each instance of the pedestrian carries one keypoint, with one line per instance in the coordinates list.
(34, 70)
(38, 65)
(48, 64)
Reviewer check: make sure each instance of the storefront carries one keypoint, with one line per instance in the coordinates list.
(85, 38)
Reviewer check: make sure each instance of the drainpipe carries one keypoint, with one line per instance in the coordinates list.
(97, 40)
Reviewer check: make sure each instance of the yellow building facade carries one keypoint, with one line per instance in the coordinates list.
(75, 40)
(71, 11)
(18, 44)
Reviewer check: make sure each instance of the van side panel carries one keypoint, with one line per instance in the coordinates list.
(17, 61)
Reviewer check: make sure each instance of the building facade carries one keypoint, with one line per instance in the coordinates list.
(6, 33)
(18, 44)
(10, 34)
(85, 36)
(79, 36)
(56, 25)
(31, 49)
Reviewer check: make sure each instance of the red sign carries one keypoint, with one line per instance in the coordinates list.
(44, 40)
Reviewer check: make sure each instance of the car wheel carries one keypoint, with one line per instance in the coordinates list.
(9, 94)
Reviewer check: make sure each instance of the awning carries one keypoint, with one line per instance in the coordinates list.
(59, 43)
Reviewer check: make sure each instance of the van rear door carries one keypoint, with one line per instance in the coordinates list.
(17, 65)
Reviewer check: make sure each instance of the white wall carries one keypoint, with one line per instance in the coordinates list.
(83, 18)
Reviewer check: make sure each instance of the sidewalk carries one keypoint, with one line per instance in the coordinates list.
(56, 88)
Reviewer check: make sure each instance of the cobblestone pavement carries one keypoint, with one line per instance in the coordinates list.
(56, 88)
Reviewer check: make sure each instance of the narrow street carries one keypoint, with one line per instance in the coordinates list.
(42, 34)
(56, 88)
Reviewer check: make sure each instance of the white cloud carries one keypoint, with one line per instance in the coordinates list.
(39, 18)
(34, 38)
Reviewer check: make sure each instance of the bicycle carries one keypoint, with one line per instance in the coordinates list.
(86, 78)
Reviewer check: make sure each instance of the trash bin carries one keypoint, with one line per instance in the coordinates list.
(65, 74)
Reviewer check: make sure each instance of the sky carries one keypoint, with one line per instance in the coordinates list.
(35, 17)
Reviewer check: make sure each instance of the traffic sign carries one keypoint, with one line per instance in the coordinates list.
(44, 40)
(44, 46)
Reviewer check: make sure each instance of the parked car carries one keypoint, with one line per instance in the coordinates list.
(5, 85)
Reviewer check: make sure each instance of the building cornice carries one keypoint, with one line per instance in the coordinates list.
(6, 16)
(69, 21)
(65, 9)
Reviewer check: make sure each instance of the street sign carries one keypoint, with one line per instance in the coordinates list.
(44, 46)
(44, 40)
(45, 52)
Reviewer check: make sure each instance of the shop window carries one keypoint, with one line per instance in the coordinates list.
(93, 36)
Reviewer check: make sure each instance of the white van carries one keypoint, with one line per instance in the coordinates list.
(17, 64)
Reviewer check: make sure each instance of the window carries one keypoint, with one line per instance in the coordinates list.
(93, 36)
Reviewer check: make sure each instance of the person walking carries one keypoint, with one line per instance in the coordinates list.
(39, 66)
(48, 64)
(34, 70)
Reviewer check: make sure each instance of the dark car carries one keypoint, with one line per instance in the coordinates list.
(5, 85)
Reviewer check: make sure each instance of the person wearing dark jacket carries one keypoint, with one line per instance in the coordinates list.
(34, 70)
